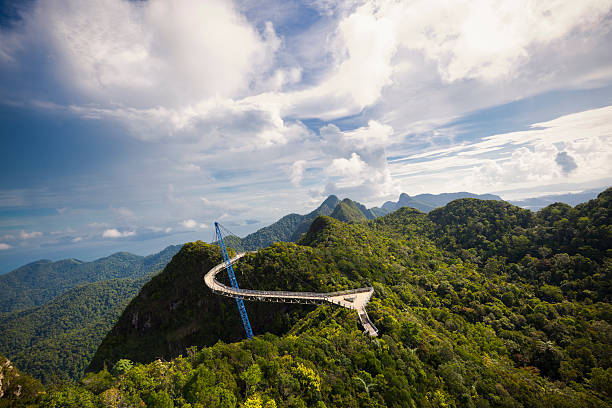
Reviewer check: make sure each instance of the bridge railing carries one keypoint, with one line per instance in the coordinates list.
(288, 294)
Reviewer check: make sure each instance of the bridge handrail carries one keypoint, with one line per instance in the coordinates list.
(280, 293)
(318, 295)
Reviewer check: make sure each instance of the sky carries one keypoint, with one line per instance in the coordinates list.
(133, 125)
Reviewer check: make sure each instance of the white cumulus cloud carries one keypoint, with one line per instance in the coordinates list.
(29, 235)
(297, 172)
(115, 233)
(192, 224)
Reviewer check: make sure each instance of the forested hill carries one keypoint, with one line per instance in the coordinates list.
(56, 341)
(38, 282)
(479, 304)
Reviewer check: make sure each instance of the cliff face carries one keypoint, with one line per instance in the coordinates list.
(175, 311)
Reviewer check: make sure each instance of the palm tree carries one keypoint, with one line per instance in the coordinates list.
(367, 387)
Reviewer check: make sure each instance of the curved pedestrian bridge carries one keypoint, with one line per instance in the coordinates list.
(351, 299)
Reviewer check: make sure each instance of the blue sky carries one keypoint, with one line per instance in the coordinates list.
(132, 125)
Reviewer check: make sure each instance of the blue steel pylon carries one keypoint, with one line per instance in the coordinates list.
(232, 277)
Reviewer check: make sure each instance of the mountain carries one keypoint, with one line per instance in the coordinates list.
(55, 341)
(38, 282)
(478, 304)
(427, 202)
(326, 208)
(291, 227)
(536, 203)
(348, 211)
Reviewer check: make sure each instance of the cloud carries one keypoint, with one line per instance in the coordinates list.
(67, 230)
(115, 233)
(4, 246)
(566, 162)
(145, 54)
(581, 141)
(485, 39)
(458, 57)
(29, 235)
(297, 172)
(157, 67)
(192, 224)
(189, 167)
(162, 68)
(356, 161)
(342, 167)
(97, 225)
(362, 49)
(167, 230)
(248, 124)
(123, 212)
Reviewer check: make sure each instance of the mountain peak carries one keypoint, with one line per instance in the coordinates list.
(330, 202)
(348, 211)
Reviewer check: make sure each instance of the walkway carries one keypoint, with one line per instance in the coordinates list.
(351, 299)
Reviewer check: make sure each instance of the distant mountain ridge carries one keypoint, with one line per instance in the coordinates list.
(428, 202)
(291, 227)
(573, 199)
(40, 281)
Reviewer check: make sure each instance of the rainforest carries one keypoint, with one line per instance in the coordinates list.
(479, 303)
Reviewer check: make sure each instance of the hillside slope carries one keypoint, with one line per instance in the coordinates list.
(55, 341)
(38, 282)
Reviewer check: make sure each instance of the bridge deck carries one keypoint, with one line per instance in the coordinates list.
(351, 299)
